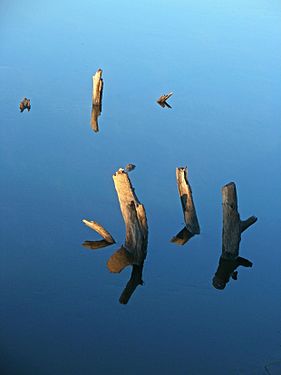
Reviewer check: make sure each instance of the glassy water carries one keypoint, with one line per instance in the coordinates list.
(60, 310)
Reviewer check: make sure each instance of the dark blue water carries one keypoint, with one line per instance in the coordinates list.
(59, 303)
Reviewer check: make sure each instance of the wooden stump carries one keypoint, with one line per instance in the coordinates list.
(96, 99)
(231, 237)
(25, 104)
(134, 251)
(191, 222)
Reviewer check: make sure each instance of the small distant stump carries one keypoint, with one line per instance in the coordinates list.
(25, 104)
(96, 99)
(163, 100)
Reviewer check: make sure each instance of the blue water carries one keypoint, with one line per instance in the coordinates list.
(59, 312)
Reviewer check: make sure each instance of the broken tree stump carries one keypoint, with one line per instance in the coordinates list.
(96, 99)
(233, 226)
(191, 222)
(25, 104)
(163, 100)
(134, 251)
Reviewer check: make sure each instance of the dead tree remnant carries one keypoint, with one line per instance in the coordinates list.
(134, 251)
(107, 238)
(96, 99)
(163, 100)
(191, 222)
(25, 104)
(231, 237)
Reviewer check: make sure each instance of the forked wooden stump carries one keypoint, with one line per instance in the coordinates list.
(191, 222)
(134, 250)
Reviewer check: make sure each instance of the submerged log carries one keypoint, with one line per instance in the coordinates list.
(100, 230)
(191, 222)
(233, 226)
(25, 104)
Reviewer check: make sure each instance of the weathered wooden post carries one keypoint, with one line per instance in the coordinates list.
(231, 237)
(134, 251)
(96, 99)
(191, 222)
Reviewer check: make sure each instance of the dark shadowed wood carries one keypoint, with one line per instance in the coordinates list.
(95, 245)
(100, 230)
(133, 283)
(120, 260)
(190, 217)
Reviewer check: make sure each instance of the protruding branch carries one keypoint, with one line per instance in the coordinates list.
(245, 224)
(100, 230)
(192, 225)
(120, 260)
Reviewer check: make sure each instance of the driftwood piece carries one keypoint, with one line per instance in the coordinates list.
(233, 226)
(96, 99)
(191, 222)
(100, 230)
(25, 104)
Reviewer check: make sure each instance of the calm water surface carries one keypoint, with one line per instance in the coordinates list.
(60, 312)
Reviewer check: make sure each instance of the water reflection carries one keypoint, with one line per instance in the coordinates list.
(231, 236)
(191, 222)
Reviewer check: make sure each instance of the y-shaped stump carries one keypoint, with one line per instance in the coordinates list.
(231, 237)
(133, 252)
(96, 99)
(191, 222)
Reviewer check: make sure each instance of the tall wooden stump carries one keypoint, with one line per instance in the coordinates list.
(231, 237)
(191, 222)
(134, 251)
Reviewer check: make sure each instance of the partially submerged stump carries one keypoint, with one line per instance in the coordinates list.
(107, 238)
(25, 104)
(191, 222)
(231, 237)
(96, 99)
(163, 100)
(134, 251)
